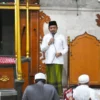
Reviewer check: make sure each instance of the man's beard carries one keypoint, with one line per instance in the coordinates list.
(53, 32)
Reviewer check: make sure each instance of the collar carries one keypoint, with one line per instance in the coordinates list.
(54, 35)
(40, 83)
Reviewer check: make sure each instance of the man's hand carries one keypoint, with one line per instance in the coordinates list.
(51, 41)
(58, 55)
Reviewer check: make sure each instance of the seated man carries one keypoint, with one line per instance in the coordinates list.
(83, 91)
(40, 90)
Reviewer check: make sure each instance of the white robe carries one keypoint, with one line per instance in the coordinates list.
(84, 92)
(59, 46)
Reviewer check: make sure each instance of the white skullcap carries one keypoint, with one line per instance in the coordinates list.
(83, 78)
(40, 76)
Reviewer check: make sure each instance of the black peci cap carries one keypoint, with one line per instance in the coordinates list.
(52, 23)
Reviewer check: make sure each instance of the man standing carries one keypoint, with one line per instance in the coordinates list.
(54, 46)
(83, 91)
(40, 90)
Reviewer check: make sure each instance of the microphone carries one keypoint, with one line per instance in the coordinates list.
(53, 36)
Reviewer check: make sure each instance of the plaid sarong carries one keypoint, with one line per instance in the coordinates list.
(54, 76)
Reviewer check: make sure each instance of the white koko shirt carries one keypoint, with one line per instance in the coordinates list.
(84, 92)
(59, 46)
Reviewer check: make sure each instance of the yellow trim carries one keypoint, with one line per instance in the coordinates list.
(27, 30)
(21, 7)
(34, 8)
(16, 30)
(19, 69)
(7, 7)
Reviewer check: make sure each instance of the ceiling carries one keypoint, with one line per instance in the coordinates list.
(90, 4)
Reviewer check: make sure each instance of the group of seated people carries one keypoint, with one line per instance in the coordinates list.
(43, 91)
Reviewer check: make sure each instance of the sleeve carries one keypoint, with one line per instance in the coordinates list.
(24, 97)
(65, 46)
(44, 45)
